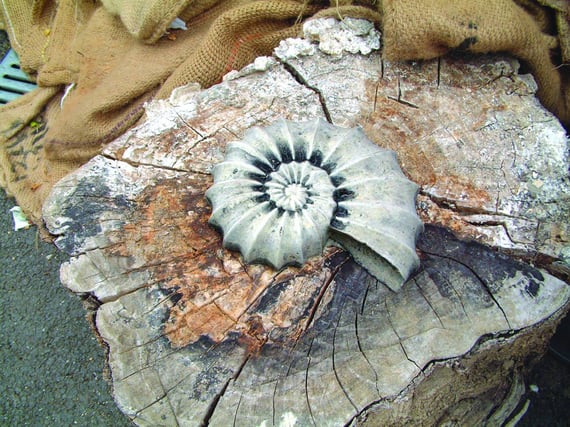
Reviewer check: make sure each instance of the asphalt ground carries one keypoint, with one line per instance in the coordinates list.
(52, 368)
(51, 365)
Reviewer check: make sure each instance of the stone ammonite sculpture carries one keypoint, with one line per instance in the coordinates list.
(283, 191)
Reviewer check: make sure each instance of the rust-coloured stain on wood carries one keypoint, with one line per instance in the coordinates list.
(215, 292)
(172, 224)
(420, 140)
(466, 196)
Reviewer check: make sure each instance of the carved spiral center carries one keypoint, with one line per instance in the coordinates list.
(295, 197)
(294, 186)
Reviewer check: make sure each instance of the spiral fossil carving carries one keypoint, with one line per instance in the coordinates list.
(284, 191)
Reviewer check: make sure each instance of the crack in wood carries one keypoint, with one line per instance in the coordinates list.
(147, 365)
(361, 350)
(399, 99)
(202, 137)
(452, 204)
(522, 250)
(505, 227)
(376, 89)
(212, 407)
(531, 124)
(224, 313)
(443, 279)
(237, 411)
(160, 398)
(324, 288)
(307, 383)
(421, 291)
(438, 79)
(510, 76)
(216, 399)
(273, 399)
(406, 353)
(119, 294)
(333, 357)
(167, 397)
(137, 164)
(479, 278)
(235, 134)
(454, 361)
(143, 345)
(289, 352)
(389, 316)
(365, 297)
(301, 80)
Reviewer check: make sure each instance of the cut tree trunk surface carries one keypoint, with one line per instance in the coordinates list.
(196, 337)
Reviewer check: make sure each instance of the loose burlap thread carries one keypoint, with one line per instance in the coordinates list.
(98, 63)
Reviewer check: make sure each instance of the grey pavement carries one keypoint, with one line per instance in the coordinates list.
(51, 365)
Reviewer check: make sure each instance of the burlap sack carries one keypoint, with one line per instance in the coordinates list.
(98, 63)
(431, 28)
(148, 20)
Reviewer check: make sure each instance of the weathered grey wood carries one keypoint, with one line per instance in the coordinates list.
(195, 336)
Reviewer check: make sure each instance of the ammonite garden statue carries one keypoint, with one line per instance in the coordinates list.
(283, 191)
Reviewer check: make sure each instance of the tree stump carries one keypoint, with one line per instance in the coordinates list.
(196, 337)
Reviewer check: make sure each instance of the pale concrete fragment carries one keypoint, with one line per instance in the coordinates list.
(350, 35)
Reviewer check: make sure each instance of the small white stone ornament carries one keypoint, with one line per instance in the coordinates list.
(283, 191)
